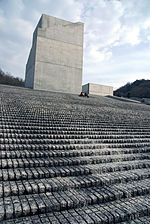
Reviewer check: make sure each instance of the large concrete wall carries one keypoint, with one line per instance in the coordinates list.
(30, 67)
(56, 58)
(96, 89)
(85, 88)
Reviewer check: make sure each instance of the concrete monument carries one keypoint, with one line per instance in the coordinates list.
(96, 89)
(56, 57)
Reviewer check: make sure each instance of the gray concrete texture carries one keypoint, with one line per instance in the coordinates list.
(96, 89)
(56, 57)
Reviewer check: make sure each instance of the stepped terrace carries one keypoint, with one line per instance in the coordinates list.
(69, 160)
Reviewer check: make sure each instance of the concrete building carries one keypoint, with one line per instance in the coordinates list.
(56, 57)
(96, 89)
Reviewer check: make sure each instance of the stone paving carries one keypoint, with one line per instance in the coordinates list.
(70, 160)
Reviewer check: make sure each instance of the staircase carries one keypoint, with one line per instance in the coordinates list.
(69, 160)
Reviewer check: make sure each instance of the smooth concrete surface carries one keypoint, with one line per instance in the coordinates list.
(146, 101)
(56, 57)
(97, 89)
(85, 88)
(30, 68)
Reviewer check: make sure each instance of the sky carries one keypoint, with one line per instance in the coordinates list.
(116, 36)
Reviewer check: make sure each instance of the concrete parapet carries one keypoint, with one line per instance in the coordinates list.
(96, 89)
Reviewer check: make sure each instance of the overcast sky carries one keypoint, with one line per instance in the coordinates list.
(116, 36)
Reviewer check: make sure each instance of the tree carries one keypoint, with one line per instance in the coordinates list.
(139, 88)
(8, 79)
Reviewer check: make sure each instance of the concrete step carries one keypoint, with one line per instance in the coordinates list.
(73, 136)
(110, 212)
(72, 141)
(16, 130)
(48, 153)
(19, 129)
(66, 147)
(27, 125)
(76, 170)
(69, 160)
(43, 185)
(140, 220)
(59, 161)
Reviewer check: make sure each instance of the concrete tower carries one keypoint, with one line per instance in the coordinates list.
(56, 57)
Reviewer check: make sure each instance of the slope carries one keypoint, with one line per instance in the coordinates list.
(66, 159)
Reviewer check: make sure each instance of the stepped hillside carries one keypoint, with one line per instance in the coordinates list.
(69, 160)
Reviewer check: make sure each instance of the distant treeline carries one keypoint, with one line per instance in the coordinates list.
(139, 89)
(8, 79)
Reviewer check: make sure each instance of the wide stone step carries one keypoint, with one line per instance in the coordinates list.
(75, 217)
(54, 162)
(38, 153)
(140, 220)
(41, 147)
(75, 119)
(72, 141)
(125, 208)
(50, 172)
(29, 125)
(35, 186)
(65, 159)
(75, 136)
(69, 130)
(11, 131)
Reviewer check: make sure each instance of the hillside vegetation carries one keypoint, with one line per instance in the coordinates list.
(139, 88)
(8, 79)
